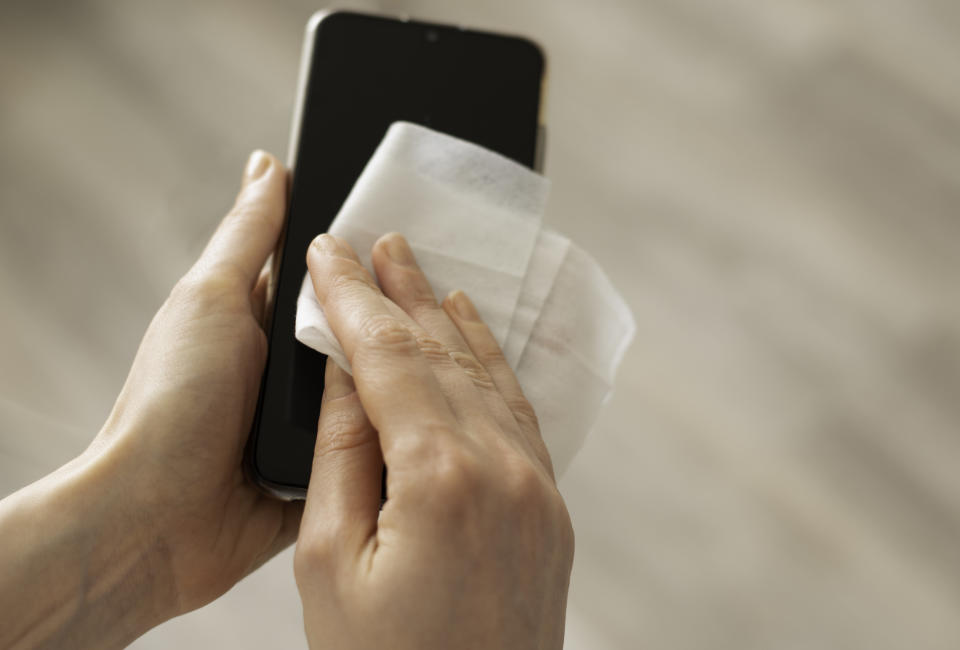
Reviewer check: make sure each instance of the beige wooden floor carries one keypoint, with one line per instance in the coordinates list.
(775, 186)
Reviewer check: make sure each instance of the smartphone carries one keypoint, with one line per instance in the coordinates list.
(359, 74)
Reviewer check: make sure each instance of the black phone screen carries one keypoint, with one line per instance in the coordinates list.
(367, 72)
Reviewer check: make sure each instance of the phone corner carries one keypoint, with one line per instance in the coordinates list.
(255, 477)
(538, 49)
(317, 17)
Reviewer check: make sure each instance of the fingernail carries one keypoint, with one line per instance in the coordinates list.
(399, 250)
(327, 245)
(463, 306)
(257, 165)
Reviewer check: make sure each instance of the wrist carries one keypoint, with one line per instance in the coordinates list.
(81, 564)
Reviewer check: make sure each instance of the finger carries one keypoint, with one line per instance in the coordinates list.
(462, 379)
(258, 297)
(404, 283)
(396, 384)
(487, 351)
(343, 498)
(463, 397)
(392, 307)
(249, 232)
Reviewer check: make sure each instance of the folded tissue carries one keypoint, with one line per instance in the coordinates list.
(473, 219)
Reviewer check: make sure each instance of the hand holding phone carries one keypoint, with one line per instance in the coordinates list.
(154, 518)
(474, 547)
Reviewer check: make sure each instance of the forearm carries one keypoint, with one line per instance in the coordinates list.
(78, 568)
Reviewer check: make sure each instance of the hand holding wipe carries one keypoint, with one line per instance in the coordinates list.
(473, 219)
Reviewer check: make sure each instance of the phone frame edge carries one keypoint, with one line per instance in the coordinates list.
(277, 490)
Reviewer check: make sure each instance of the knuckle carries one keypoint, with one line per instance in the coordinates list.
(410, 285)
(524, 412)
(419, 450)
(346, 276)
(385, 332)
(417, 295)
(249, 212)
(343, 426)
(473, 369)
(455, 478)
(211, 287)
(311, 558)
(525, 486)
(432, 349)
(533, 501)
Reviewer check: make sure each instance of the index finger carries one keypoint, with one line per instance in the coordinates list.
(396, 385)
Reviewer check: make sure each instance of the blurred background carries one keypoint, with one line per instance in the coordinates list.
(774, 186)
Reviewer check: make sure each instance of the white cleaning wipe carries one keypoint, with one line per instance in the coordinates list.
(548, 253)
(472, 217)
(570, 360)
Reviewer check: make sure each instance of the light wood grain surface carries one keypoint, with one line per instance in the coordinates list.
(774, 186)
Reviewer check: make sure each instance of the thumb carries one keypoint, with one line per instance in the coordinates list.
(249, 232)
(343, 499)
